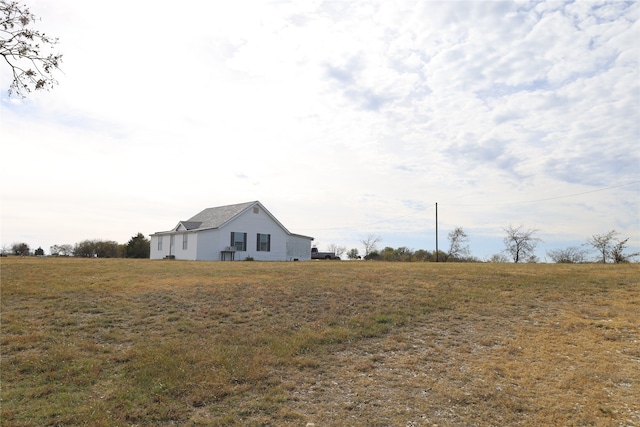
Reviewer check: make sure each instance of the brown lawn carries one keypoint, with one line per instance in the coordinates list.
(137, 343)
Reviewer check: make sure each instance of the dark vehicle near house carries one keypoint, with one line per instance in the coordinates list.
(315, 254)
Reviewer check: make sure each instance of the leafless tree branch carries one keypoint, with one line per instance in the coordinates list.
(22, 50)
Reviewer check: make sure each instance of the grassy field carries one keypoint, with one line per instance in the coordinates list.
(144, 343)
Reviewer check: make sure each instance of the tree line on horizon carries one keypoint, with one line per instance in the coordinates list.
(520, 244)
(137, 247)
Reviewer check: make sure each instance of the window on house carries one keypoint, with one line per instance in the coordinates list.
(160, 243)
(239, 241)
(256, 210)
(185, 241)
(264, 242)
(172, 240)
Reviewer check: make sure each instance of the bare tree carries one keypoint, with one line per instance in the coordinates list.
(498, 258)
(520, 242)
(603, 243)
(457, 244)
(571, 255)
(61, 250)
(339, 250)
(23, 49)
(617, 252)
(96, 248)
(370, 243)
(21, 249)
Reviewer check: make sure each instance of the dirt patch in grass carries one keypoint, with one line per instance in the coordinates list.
(138, 342)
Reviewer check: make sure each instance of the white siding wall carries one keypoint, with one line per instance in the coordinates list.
(191, 251)
(299, 248)
(206, 245)
(252, 224)
(177, 250)
(155, 253)
(209, 245)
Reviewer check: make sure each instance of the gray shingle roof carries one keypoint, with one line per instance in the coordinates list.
(191, 225)
(215, 217)
(218, 216)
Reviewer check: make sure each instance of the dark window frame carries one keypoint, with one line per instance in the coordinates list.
(239, 244)
(263, 246)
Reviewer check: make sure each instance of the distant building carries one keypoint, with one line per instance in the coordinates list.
(228, 233)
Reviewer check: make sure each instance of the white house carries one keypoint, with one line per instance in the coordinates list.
(232, 232)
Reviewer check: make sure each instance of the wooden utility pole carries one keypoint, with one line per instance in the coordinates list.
(437, 255)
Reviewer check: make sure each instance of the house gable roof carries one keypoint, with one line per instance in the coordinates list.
(187, 225)
(221, 215)
(217, 217)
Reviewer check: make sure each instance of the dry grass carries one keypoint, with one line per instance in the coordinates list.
(139, 342)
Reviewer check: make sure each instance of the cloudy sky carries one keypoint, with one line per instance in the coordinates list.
(344, 118)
